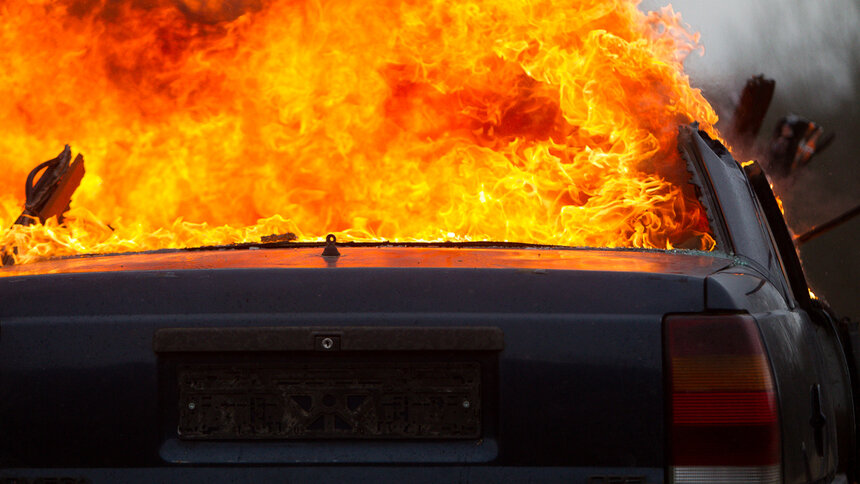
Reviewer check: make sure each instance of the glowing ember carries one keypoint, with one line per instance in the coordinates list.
(549, 122)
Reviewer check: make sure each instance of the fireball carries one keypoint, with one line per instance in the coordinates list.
(204, 123)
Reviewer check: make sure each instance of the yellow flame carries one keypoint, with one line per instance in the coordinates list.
(549, 122)
(778, 200)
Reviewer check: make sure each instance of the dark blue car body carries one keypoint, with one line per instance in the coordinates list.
(568, 343)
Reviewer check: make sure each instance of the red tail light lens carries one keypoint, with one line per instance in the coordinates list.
(723, 415)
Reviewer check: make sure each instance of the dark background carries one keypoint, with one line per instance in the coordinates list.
(812, 50)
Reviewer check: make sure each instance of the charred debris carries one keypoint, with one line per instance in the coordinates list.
(794, 142)
(51, 195)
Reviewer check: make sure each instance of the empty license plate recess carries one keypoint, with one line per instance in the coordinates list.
(329, 400)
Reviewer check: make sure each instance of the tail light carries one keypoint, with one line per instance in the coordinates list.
(723, 415)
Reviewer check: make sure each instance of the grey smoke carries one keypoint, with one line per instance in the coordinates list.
(803, 44)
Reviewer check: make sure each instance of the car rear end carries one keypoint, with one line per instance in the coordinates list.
(430, 363)
(385, 364)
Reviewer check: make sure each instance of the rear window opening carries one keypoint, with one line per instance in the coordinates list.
(209, 131)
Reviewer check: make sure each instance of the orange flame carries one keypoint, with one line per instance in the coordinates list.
(549, 122)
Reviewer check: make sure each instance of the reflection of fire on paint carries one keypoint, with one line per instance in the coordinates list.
(551, 123)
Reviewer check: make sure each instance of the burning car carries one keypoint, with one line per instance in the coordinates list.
(540, 267)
